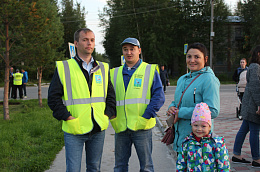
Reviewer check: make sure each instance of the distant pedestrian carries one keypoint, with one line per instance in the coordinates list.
(239, 70)
(239, 77)
(202, 150)
(18, 84)
(25, 80)
(164, 77)
(250, 112)
(11, 83)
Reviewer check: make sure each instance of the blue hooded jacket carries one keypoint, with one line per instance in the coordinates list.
(204, 89)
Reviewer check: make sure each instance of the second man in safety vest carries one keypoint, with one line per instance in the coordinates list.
(18, 84)
(139, 95)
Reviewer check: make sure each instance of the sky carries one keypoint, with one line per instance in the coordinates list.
(92, 8)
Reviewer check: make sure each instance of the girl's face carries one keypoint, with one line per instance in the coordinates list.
(200, 128)
(243, 64)
(195, 60)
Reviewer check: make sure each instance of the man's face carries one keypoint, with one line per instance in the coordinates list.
(162, 67)
(86, 43)
(11, 69)
(131, 54)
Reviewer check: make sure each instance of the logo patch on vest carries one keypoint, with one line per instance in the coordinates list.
(98, 79)
(138, 82)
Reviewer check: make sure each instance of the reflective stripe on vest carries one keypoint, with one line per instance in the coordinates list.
(72, 101)
(18, 79)
(145, 87)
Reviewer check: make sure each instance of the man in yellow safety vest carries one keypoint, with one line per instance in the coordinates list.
(81, 94)
(18, 84)
(139, 95)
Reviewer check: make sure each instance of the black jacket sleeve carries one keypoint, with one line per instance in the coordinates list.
(55, 102)
(110, 100)
(235, 76)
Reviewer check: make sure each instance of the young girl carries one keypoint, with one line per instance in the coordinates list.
(202, 150)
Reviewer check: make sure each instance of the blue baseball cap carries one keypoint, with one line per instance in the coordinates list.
(132, 41)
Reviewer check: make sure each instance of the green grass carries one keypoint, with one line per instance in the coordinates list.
(30, 140)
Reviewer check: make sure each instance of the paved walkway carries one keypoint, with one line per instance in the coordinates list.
(226, 124)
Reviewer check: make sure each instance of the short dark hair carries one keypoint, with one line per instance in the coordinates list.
(76, 34)
(255, 55)
(201, 47)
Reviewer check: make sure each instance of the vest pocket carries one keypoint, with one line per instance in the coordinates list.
(114, 124)
(73, 126)
(141, 123)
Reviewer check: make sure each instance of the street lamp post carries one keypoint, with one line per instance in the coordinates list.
(212, 34)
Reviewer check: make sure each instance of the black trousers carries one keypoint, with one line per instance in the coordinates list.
(20, 88)
(11, 90)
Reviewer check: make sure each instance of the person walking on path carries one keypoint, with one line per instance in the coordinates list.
(139, 96)
(204, 88)
(164, 77)
(239, 70)
(11, 83)
(202, 150)
(18, 84)
(25, 80)
(250, 112)
(82, 96)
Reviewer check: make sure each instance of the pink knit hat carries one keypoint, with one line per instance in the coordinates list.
(201, 113)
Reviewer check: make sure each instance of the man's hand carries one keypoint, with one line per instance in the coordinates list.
(70, 118)
(112, 117)
(258, 111)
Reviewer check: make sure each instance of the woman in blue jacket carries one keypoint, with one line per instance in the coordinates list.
(204, 89)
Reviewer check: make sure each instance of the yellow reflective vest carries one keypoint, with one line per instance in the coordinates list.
(131, 104)
(18, 79)
(78, 100)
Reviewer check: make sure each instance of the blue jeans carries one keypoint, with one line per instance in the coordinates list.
(253, 138)
(93, 147)
(142, 141)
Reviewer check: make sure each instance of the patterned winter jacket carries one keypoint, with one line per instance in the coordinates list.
(210, 154)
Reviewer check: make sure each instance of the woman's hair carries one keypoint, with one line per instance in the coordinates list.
(255, 55)
(244, 59)
(202, 48)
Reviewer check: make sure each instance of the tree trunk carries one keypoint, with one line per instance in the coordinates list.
(6, 86)
(6, 89)
(39, 85)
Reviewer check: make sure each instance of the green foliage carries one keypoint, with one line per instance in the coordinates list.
(250, 10)
(31, 139)
(45, 33)
(163, 27)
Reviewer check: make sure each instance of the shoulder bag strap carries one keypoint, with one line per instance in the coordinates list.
(186, 89)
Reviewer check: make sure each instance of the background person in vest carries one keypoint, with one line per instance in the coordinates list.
(18, 84)
(11, 83)
(84, 103)
(25, 80)
(139, 96)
